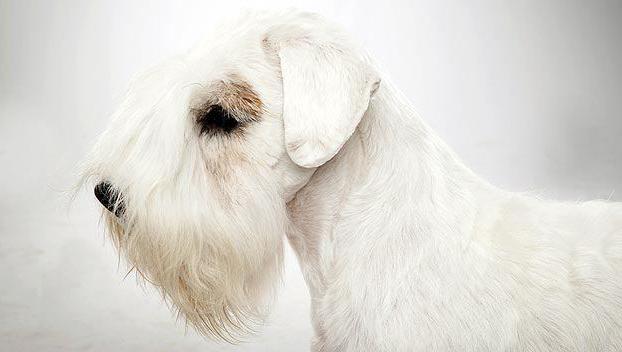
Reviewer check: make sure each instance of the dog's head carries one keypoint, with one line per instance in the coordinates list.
(197, 165)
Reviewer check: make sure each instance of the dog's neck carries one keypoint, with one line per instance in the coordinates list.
(395, 183)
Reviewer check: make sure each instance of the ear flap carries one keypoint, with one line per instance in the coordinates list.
(326, 91)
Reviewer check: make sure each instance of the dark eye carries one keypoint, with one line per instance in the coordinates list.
(216, 119)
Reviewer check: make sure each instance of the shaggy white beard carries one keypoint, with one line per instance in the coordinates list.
(216, 257)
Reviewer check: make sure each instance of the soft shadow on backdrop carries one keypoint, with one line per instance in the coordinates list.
(528, 93)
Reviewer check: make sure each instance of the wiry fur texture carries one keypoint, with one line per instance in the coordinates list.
(403, 247)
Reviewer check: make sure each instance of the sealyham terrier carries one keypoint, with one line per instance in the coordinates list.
(278, 127)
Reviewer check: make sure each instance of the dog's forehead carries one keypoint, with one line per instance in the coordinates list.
(229, 43)
(225, 66)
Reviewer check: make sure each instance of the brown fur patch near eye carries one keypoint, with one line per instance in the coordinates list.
(239, 97)
(234, 95)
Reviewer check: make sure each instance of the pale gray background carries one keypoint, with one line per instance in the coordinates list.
(529, 93)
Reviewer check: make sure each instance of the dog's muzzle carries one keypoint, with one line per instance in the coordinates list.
(109, 198)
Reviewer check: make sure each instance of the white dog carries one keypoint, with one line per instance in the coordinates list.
(279, 126)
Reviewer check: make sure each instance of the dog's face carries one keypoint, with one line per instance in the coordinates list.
(196, 167)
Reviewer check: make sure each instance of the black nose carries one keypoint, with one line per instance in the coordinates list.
(109, 198)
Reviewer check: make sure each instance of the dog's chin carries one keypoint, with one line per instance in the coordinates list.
(218, 272)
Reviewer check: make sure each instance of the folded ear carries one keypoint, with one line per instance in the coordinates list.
(326, 91)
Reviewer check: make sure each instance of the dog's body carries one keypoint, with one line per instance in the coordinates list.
(403, 248)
